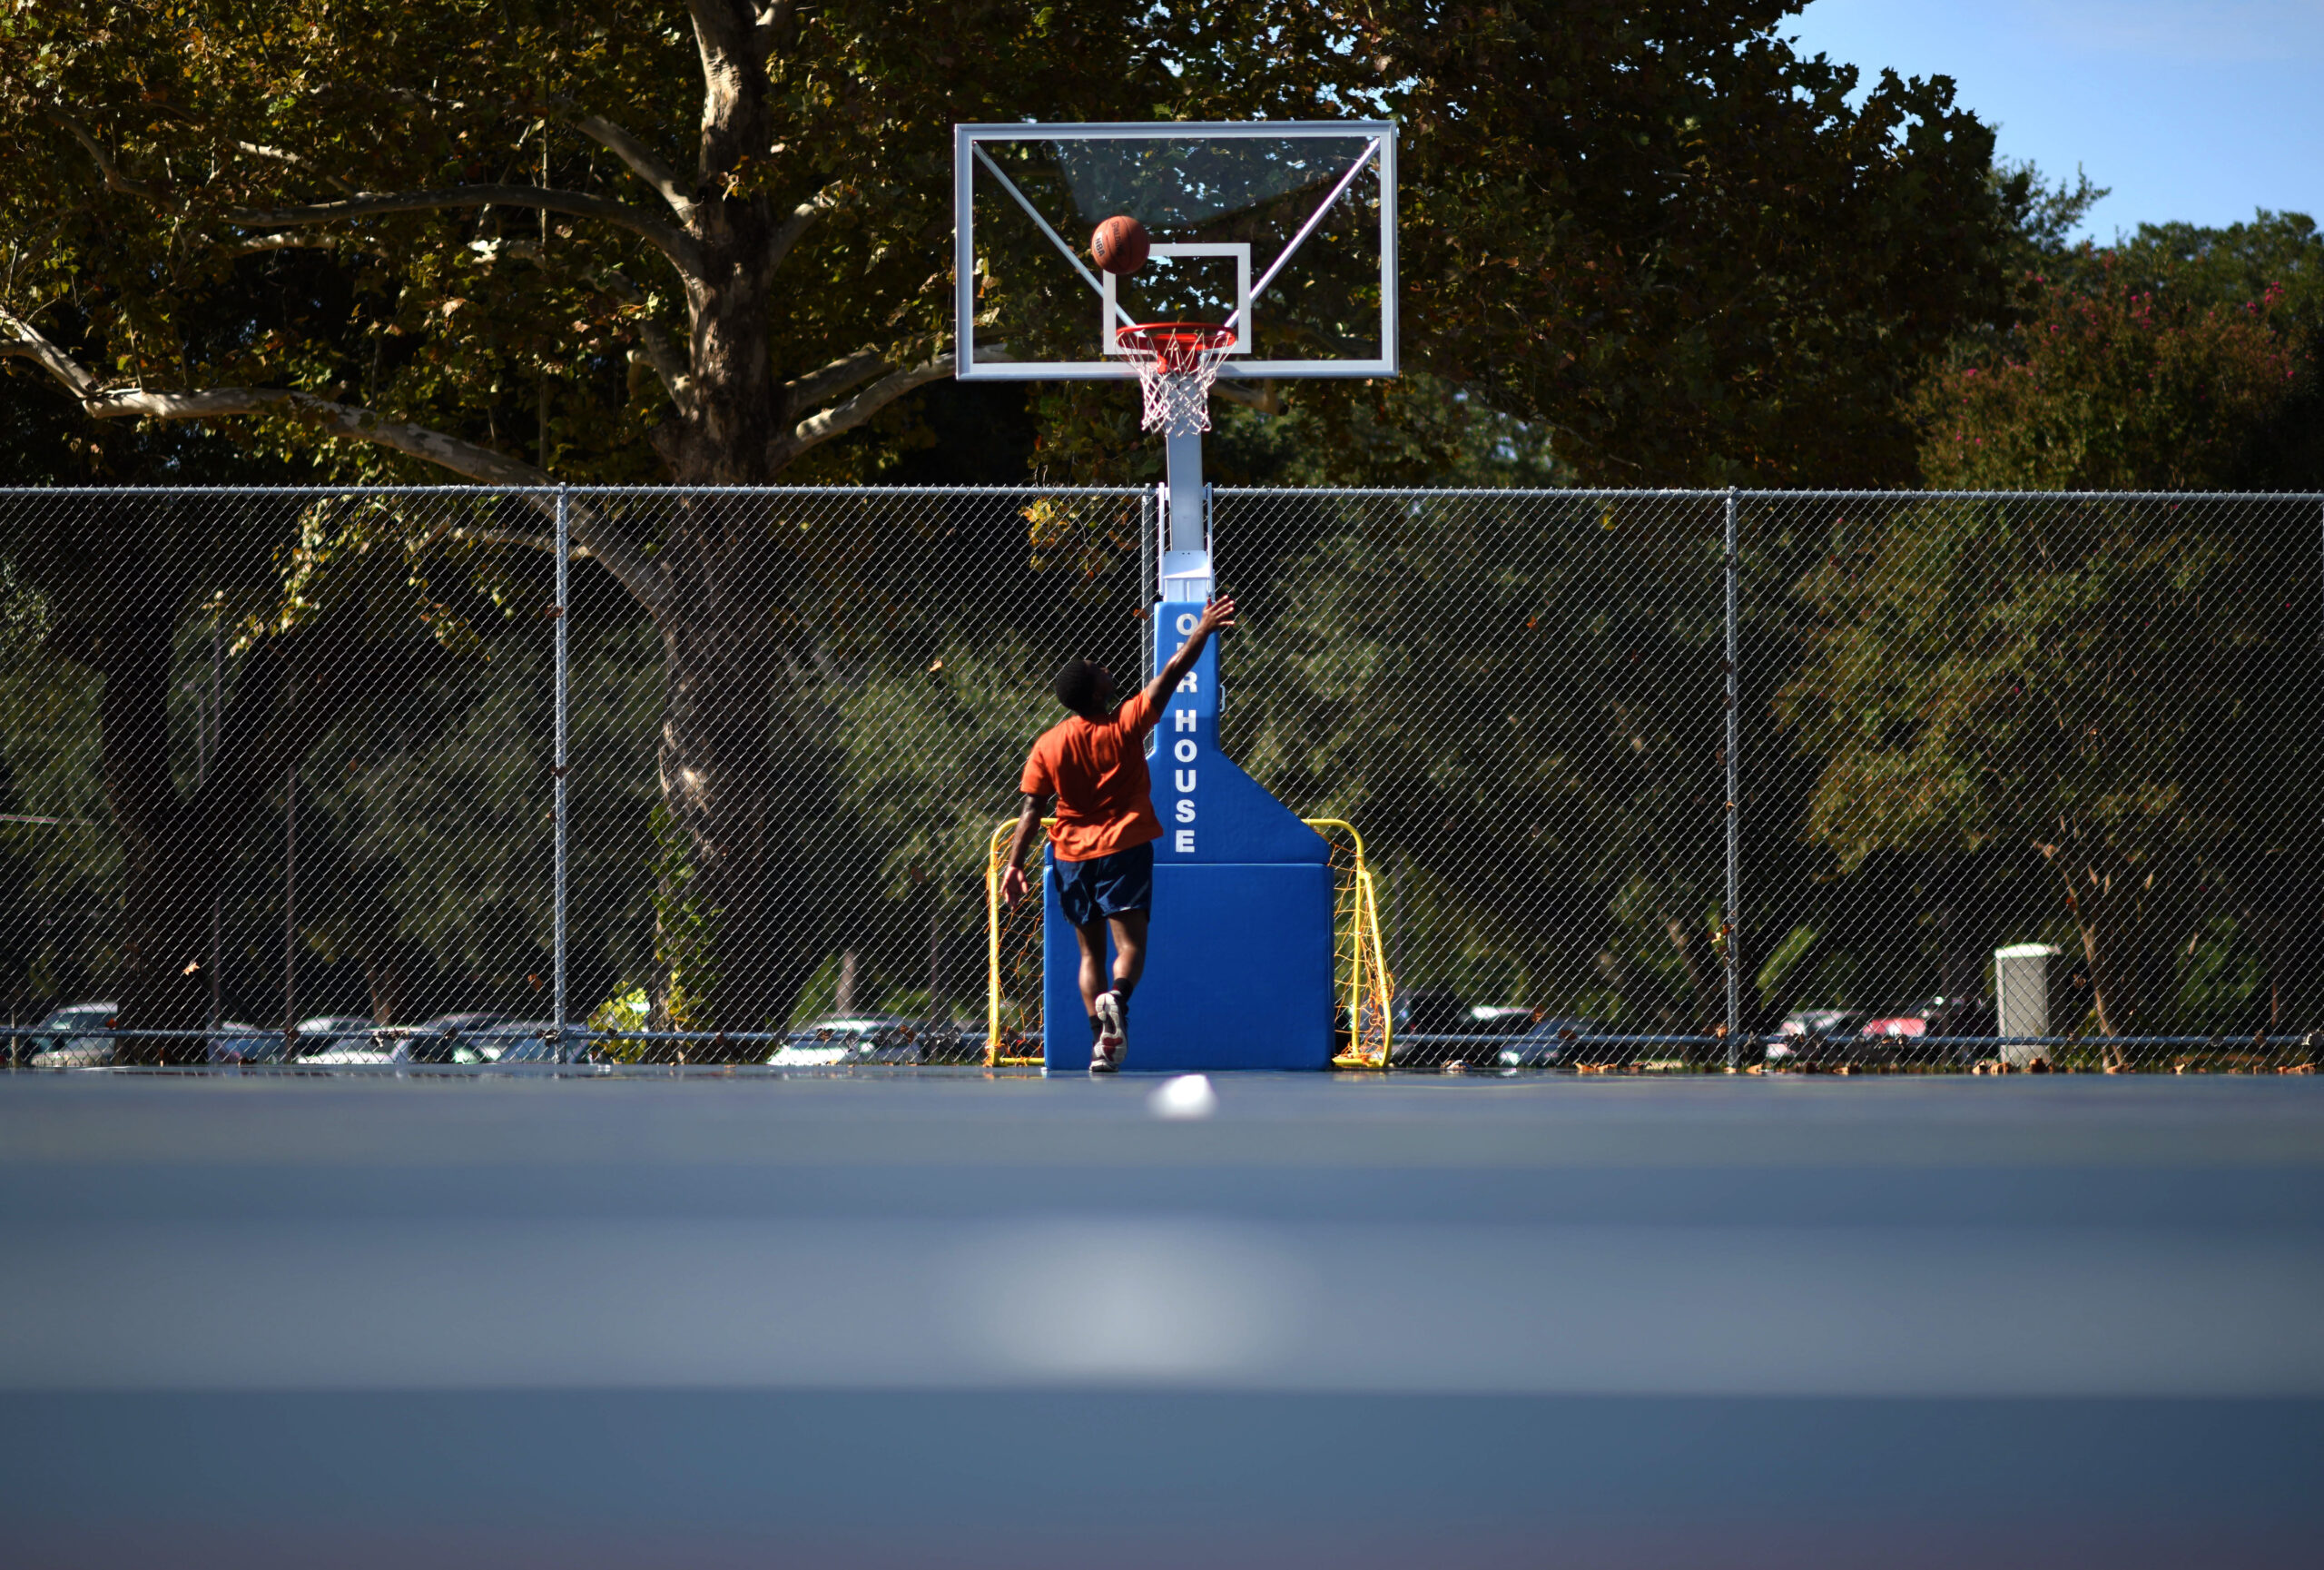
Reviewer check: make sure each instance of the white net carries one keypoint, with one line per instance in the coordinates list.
(1176, 363)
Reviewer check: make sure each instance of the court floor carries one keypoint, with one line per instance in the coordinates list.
(951, 1318)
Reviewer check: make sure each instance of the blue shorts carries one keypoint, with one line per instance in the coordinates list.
(1107, 885)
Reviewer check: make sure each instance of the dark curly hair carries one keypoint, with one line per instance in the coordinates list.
(1078, 686)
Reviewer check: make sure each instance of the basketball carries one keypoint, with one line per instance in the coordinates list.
(1120, 245)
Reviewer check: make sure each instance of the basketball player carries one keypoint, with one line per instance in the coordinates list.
(1094, 764)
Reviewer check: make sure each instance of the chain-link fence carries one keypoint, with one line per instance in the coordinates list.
(1645, 780)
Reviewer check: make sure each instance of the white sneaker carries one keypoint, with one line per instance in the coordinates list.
(1113, 1035)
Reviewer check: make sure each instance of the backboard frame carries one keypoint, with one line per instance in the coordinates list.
(1114, 367)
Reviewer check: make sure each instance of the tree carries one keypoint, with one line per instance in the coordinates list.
(782, 290)
(598, 244)
(1658, 231)
(2121, 686)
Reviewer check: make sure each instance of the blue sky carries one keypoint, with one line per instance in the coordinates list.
(2199, 110)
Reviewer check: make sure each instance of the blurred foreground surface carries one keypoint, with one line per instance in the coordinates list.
(960, 1321)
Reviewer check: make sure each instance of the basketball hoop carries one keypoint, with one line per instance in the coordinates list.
(1177, 362)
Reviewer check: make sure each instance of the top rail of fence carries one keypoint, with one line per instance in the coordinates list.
(1227, 493)
(1720, 493)
(552, 489)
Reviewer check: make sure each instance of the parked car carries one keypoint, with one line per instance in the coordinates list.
(1817, 1038)
(239, 1042)
(1431, 1012)
(454, 1038)
(1901, 1029)
(346, 1041)
(1434, 1026)
(1560, 1044)
(1822, 1022)
(530, 1042)
(872, 1039)
(1877, 1037)
(70, 1038)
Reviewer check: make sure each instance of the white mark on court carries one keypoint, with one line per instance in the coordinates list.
(1126, 1300)
(1183, 1097)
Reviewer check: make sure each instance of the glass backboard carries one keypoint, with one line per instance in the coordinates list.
(1285, 230)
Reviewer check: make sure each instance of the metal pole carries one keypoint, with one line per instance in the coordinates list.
(1147, 592)
(1733, 920)
(564, 689)
(217, 897)
(289, 910)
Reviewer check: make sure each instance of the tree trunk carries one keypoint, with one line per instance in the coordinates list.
(2269, 894)
(736, 765)
(1706, 986)
(843, 992)
(2107, 915)
(740, 771)
(939, 1005)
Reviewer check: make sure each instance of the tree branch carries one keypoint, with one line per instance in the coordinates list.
(847, 371)
(276, 154)
(843, 417)
(636, 571)
(543, 543)
(660, 351)
(802, 218)
(767, 34)
(642, 160)
(19, 340)
(672, 243)
(259, 244)
(151, 190)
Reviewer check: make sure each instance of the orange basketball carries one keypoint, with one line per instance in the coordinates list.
(1120, 245)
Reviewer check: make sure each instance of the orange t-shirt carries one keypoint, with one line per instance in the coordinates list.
(1097, 771)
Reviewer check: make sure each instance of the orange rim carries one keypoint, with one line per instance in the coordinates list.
(1173, 344)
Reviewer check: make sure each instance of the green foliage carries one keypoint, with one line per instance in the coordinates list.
(931, 759)
(2111, 385)
(685, 930)
(1506, 697)
(2103, 698)
(2113, 688)
(520, 330)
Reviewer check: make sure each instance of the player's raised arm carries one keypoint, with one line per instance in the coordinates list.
(1220, 613)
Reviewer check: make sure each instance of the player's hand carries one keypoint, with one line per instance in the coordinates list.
(1012, 885)
(1220, 613)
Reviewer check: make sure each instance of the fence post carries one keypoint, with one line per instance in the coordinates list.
(564, 670)
(1733, 920)
(1146, 592)
(290, 896)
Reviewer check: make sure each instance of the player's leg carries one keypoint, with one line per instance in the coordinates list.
(1077, 888)
(1125, 894)
(1130, 949)
(1091, 935)
(1098, 1000)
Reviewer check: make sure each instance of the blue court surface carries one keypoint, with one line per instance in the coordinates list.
(958, 1321)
